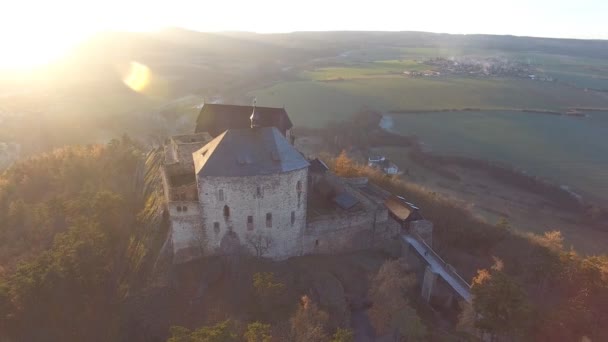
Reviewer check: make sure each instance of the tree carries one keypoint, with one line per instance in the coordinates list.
(344, 166)
(408, 325)
(260, 243)
(466, 318)
(269, 293)
(220, 332)
(309, 323)
(179, 334)
(258, 332)
(503, 223)
(388, 292)
(342, 335)
(500, 303)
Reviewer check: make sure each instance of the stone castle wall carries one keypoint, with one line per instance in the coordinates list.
(187, 192)
(330, 234)
(254, 196)
(179, 151)
(187, 234)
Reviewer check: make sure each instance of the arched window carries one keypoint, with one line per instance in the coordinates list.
(226, 212)
(299, 186)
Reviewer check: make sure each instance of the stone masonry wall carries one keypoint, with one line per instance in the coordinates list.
(187, 234)
(343, 233)
(277, 196)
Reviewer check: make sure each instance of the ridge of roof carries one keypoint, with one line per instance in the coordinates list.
(216, 118)
(248, 152)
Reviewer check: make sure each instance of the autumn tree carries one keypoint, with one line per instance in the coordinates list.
(309, 323)
(344, 166)
(500, 303)
(220, 332)
(258, 332)
(391, 313)
(342, 335)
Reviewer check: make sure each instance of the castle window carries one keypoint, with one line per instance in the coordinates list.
(258, 192)
(249, 222)
(221, 195)
(226, 212)
(185, 208)
(179, 208)
(293, 217)
(269, 220)
(316, 243)
(299, 199)
(216, 227)
(299, 186)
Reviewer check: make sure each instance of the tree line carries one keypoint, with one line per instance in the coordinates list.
(71, 242)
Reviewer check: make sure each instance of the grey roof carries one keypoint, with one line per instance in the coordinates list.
(345, 200)
(248, 152)
(217, 118)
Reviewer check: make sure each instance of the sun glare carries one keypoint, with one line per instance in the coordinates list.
(138, 77)
(34, 33)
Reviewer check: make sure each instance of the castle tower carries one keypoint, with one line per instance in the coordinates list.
(252, 187)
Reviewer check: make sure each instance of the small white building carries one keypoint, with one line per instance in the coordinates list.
(384, 164)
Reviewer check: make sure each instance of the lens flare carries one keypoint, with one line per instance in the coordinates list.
(137, 77)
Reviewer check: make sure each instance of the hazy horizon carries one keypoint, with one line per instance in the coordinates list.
(35, 37)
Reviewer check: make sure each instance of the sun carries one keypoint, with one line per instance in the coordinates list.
(25, 50)
(34, 33)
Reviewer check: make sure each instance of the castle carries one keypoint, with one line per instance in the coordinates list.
(238, 185)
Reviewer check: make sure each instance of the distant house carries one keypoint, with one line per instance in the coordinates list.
(384, 164)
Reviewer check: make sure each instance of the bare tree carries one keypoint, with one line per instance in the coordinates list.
(260, 243)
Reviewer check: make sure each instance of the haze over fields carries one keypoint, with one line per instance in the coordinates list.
(91, 96)
(498, 141)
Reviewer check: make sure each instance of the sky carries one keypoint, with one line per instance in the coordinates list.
(35, 31)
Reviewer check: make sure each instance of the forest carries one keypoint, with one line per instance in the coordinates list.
(80, 234)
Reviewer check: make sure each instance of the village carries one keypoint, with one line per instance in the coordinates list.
(482, 67)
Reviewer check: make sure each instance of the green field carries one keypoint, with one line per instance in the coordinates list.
(377, 69)
(567, 150)
(313, 103)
